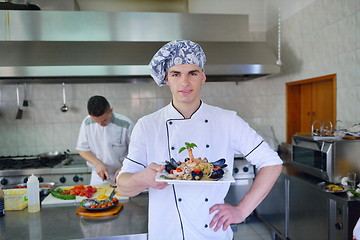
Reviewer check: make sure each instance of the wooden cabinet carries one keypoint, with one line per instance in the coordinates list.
(310, 100)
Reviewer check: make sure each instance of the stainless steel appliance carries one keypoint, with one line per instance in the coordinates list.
(315, 214)
(327, 158)
(297, 209)
(121, 45)
(243, 173)
(64, 169)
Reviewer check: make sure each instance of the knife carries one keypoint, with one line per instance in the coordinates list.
(112, 194)
(112, 183)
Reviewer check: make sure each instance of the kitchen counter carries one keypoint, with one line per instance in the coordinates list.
(62, 222)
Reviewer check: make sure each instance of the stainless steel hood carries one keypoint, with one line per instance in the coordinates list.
(50, 46)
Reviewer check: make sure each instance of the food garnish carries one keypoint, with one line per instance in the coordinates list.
(334, 188)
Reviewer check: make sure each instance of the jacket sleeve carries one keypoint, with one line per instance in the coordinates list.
(82, 142)
(136, 159)
(248, 142)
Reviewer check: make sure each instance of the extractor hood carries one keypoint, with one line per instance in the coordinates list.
(117, 46)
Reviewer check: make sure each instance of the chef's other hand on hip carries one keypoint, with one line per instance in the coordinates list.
(102, 171)
(226, 215)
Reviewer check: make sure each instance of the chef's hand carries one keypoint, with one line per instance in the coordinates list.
(150, 174)
(225, 216)
(116, 175)
(102, 171)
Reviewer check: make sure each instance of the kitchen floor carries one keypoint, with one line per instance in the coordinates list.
(252, 229)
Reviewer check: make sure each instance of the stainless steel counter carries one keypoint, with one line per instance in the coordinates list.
(62, 222)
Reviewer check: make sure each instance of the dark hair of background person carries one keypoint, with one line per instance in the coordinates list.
(97, 106)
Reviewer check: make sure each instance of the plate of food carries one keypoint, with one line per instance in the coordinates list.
(195, 170)
(332, 187)
(227, 178)
(92, 204)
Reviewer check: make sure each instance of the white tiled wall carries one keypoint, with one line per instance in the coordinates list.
(45, 128)
(322, 39)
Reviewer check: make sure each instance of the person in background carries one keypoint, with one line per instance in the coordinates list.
(103, 140)
(192, 211)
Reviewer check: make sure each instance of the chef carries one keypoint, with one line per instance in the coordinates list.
(103, 140)
(195, 210)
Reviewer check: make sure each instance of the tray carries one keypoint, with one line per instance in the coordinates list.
(84, 212)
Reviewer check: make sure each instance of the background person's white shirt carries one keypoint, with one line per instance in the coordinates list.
(109, 144)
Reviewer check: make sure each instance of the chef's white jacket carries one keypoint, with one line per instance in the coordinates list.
(181, 212)
(109, 144)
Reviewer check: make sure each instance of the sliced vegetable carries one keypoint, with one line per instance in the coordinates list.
(58, 193)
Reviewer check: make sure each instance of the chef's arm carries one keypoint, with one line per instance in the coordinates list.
(263, 183)
(101, 168)
(131, 184)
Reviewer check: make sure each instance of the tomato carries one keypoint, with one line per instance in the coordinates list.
(216, 168)
(79, 186)
(179, 170)
(197, 170)
(115, 200)
(88, 195)
(64, 192)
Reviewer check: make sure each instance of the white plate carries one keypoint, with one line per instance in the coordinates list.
(323, 185)
(326, 138)
(227, 178)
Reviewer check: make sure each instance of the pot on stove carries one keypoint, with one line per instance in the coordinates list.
(55, 155)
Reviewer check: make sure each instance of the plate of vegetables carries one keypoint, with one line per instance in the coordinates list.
(194, 170)
(94, 204)
(71, 193)
(332, 188)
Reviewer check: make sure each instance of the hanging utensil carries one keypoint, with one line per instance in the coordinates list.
(64, 108)
(25, 102)
(20, 111)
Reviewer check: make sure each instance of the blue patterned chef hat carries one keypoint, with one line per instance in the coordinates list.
(175, 53)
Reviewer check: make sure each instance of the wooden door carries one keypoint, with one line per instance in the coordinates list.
(322, 101)
(309, 100)
(306, 108)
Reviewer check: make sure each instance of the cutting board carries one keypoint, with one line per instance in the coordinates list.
(112, 211)
(51, 200)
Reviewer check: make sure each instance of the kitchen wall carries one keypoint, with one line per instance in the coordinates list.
(320, 39)
(44, 127)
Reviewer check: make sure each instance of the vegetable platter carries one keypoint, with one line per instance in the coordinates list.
(100, 189)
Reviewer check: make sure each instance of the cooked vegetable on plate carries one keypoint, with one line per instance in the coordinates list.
(194, 168)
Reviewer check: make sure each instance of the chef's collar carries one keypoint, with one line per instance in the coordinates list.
(176, 114)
